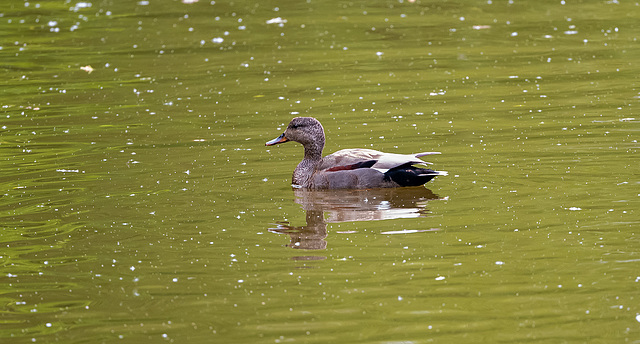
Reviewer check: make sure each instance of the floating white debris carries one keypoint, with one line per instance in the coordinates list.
(409, 231)
(440, 278)
(499, 263)
(87, 69)
(80, 6)
(276, 20)
(574, 208)
(67, 171)
(217, 40)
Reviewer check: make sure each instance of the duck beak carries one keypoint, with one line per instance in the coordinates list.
(279, 139)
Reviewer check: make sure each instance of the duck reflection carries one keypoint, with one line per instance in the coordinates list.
(333, 206)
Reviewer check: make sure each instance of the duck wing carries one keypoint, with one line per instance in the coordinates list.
(363, 158)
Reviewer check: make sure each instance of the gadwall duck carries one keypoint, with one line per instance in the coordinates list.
(350, 168)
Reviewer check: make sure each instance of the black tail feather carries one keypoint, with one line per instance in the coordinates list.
(408, 175)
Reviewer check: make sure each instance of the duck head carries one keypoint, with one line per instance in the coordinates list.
(306, 130)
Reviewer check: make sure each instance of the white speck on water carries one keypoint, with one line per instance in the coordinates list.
(399, 298)
(499, 262)
(133, 268)
(638, 318)
(175, 279)
(277, 20)
(404, 231)
(217, 40)
(440, 278)
(379, 53)
(80, 5)
(574, 208)
(48, 325)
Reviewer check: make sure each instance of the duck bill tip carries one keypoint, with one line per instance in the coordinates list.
(279, 139)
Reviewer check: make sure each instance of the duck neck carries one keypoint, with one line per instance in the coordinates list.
(313, 150)
(306, 168)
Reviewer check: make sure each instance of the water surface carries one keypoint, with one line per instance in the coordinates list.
(140, 205)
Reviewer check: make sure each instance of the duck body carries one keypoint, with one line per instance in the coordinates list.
(350, 168)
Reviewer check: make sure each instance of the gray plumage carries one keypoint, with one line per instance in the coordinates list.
(350, 168)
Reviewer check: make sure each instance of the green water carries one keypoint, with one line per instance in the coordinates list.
(138, 203)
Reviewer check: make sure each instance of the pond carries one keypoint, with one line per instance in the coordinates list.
(140, 205)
